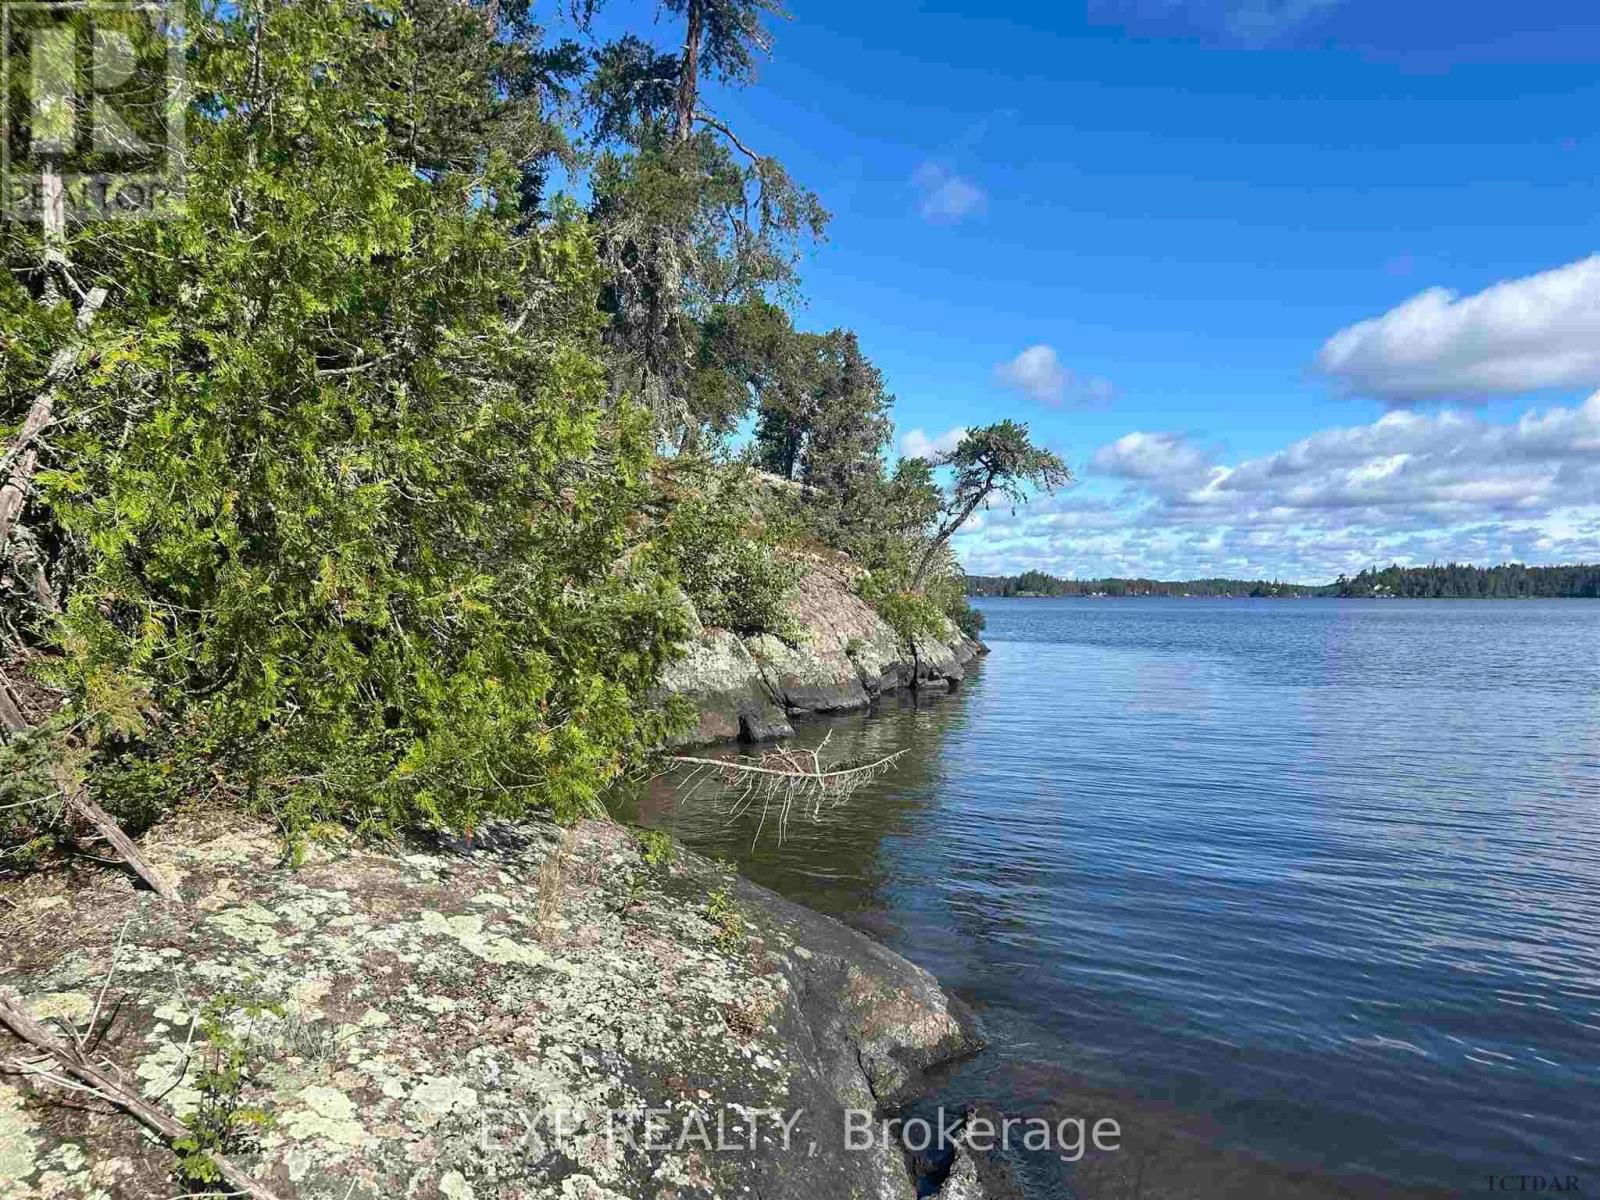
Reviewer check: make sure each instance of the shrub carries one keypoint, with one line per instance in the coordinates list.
(726, 559)
(655, 848)
(967, 618)
(348, 510)
(723, 911)
(909, 614)
(222, 1122)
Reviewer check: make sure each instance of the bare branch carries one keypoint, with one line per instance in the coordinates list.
(782, 778)
(97, 1082)
(102, 821)
(712, 123)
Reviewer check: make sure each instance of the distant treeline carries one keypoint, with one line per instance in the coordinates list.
(1454, 580)
(1507, 581)
(1037, 583)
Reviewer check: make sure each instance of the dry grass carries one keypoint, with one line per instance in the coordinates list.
(548, 886)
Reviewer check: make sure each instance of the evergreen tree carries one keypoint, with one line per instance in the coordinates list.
(693, 222)
(341, 514)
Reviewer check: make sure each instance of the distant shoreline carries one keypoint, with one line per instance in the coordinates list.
(1453, 581)
(1242, 596)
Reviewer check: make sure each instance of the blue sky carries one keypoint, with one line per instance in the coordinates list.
(1154, 229)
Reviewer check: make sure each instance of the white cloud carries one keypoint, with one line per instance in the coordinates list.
(1541, 331)
(1038, 373)
(1406, 462)
(1255, 23)
(1162, 457)
(1409, 487)
(944, 196)
(917, 444)
(1258, 22)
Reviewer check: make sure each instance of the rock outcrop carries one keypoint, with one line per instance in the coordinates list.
(847, 656)
(580, 1014)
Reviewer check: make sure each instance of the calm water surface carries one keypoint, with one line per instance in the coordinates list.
(1322, 875)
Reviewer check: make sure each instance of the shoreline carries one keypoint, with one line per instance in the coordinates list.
(745, 688)
(1169, 1152)
(529, 1013)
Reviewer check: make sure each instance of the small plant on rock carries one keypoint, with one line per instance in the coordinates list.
(655, 848)
(723, 911)
(223, 1123)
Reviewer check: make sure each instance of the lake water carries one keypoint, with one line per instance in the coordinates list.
(1315, 883)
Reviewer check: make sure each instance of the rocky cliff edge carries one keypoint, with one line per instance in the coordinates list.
(553, 1014)
(747, 687)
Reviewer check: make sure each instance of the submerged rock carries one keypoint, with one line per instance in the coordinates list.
(845, 656)
(556, 1014)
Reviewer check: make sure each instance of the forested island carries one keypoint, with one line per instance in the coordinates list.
(1037, 583)
(1451, 581)
(1459, 581)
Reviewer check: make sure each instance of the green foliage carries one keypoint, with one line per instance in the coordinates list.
(992, 460)
(824, 416)
(347, 505)
(356, 501)
(223, 1123)
(910, 614)
(692, 222)
(521, 78)
(729, 565)
(967, 618)
(31, 796)
(656, 852)
(723, 911)
(655, 848)
(1001, 459)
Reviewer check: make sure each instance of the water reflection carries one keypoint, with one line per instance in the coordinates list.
(1322, 877)
(837, 862)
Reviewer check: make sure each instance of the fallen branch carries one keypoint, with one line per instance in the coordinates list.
(784, 777)
(100, 1084)
(112, 832)
(24, 452)
(792, 772)
(10, 712)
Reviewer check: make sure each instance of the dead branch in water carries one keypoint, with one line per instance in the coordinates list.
(783, 779)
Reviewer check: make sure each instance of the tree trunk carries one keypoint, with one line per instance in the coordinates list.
(24, 448)
(921, 577)
(689, 80)
(946, 532)
(948, 529)
(13, 494)
(53, 205)
(10, 711)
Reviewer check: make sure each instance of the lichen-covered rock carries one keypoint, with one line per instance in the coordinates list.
(844, 655)
(962, 1182)
(721, 677)
(548, 1015)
